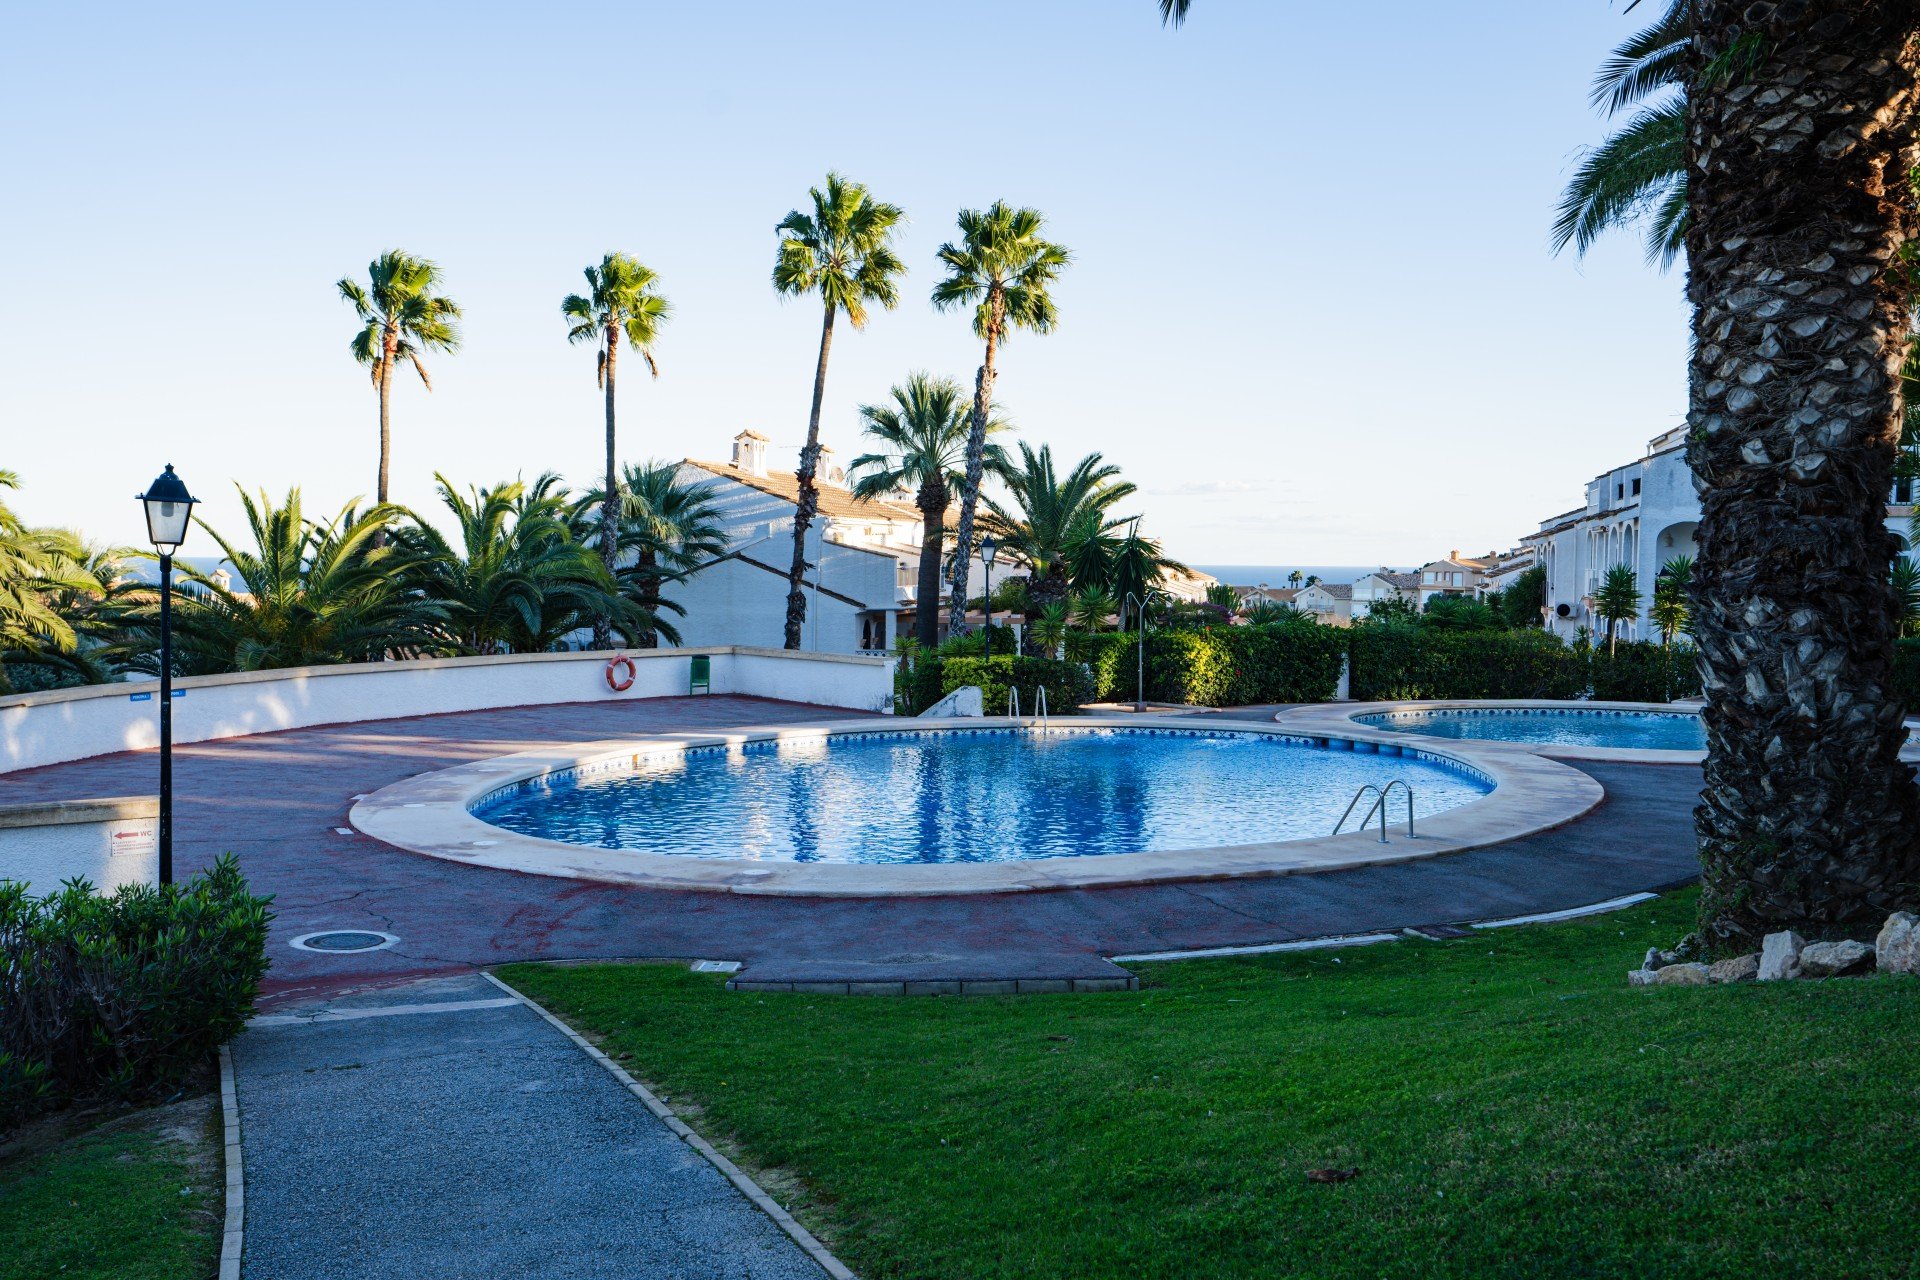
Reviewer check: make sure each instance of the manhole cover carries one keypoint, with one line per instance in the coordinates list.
(340, 940)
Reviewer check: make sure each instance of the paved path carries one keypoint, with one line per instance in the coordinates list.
(277, 800)
(469, 1142)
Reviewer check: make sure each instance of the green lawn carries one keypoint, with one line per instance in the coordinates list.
(139, 1199)
(1514, 1109)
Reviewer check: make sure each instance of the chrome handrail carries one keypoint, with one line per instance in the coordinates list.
(1040, 695)
(1379, 806)
(1013, 703)
(1387, 791)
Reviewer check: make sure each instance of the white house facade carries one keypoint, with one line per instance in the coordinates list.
(1640, 515)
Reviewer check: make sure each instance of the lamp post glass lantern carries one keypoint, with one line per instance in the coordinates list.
(169, 509)
(988, 550)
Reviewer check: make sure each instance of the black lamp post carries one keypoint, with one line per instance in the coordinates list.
(169, 507)
(988, 550)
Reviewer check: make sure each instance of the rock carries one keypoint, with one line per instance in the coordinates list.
(1835, 959)
(1898, 946)
(1656, 958)
(1686, 974)
(1640, 977)
(1780, 956)
(1739, 969)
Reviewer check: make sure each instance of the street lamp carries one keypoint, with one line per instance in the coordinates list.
(988, 550)
(169, 507)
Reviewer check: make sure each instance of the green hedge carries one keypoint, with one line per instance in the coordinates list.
(1644, 672)
(122, 996)
(1404, 663)
(1906, 673)
(1067, 683)
(1218, 667)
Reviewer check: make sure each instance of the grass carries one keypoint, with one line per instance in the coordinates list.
(138, 1198)
(1512, 1106)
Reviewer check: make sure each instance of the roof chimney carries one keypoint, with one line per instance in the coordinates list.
(1454, 555)
(750, 452)
(828, 471)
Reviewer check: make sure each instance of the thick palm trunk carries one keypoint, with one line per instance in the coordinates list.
(609, 510)
(808, 505)
(1798, 200)
(970, 489)
(932, 501)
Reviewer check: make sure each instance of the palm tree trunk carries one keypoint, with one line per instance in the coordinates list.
(1799, 203)
(932, 501)
(976, 465)
(808, 504)
(647, 582)
(386, 431)
(609, 510)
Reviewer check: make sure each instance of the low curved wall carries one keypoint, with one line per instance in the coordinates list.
(72, 724)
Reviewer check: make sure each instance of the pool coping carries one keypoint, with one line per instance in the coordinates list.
(1338, 717)
(429, 814)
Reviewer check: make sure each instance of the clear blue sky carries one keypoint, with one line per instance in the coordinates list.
(1312, 310)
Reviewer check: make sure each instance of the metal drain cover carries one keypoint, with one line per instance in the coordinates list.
(340, 941)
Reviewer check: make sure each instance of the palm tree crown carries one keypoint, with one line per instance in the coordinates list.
(923, 447)
(401, 315)
(1048, 517)
(842, 251)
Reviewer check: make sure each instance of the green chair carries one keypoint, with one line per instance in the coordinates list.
(700, 674)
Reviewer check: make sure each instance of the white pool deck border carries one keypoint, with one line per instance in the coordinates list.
(431, 814)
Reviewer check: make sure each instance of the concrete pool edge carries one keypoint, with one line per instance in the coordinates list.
(431, 814)
(1342, 717)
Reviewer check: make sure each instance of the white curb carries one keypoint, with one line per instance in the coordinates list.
(232, 1240)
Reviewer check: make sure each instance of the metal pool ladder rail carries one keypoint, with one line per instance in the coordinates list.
(1040, 697)
(1379, 806)
(1013, 703)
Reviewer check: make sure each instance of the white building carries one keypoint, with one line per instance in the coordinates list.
(1383, 584)
(1455, 575)
(864, 557)
(1640, 515)
(1330, 603)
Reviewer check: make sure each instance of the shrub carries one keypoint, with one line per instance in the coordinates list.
(1068, 684)
(122, 996)
(1218, 667)
(1644, 672)
(1399, 662)
(1906, 673)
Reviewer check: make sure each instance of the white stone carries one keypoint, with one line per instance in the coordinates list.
(1835, 959)
(1738, 969)
(1898, 946)
(1690, 974)
(1640, 977)
(1780, 956)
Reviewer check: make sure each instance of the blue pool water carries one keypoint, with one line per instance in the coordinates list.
(1573, 727)
(971, 796)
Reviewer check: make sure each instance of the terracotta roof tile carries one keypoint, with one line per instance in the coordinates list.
(834, 500)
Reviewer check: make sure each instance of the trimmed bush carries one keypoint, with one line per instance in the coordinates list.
(1395, 663)
(122, 996)
(1067, 683)
(1644, 672)
(1217, 667)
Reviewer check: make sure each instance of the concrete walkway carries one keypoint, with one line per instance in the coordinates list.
(439, 1130)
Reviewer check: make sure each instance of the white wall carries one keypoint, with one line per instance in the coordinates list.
(72, 724)
(110, 843)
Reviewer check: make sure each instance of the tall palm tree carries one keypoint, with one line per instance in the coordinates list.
(1004, 269)
(1799, 225)
(402, 314)
(515, 578)
(1047, 514)
(305, 593)
(1670, 591)
(669, 529)
(1617, 600)
(843, 252)
(622, 297)
(923, 447)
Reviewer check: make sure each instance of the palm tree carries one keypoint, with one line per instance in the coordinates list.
(1617, 601)
(1090, 608)
(1003, 268)
(668, 530)
(517, 579)
(1906, 594)
(401, 314)
(1800, 219)
(1047, 515)
(1293, 579)
(1670, 590)
(1138, 566)
(43, 572)
(923, 439)
(307, 594)
(843, 252)
(622, 298)
(1049, 628)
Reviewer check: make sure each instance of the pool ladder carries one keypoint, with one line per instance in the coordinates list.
(1040, 712)
(1379, 806)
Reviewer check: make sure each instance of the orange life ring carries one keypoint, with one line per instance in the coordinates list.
(621, 684)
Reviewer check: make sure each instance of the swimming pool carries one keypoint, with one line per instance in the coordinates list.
(970, 795)
(1552, 726)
